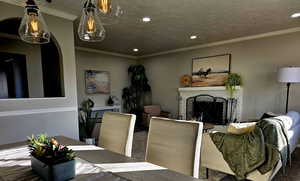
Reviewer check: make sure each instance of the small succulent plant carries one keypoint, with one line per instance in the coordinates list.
(48, 150)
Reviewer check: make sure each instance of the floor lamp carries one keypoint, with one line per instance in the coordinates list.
(288, 75)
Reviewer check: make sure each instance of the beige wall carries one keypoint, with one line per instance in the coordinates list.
(33, 63)
(56, 116)
(256, 60)
(116, 66)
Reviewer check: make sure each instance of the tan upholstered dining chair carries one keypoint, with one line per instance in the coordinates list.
(116, 133)
(175, 145)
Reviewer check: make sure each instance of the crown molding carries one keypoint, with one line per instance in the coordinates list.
(235, 40)
(46, 10)
(105, 52)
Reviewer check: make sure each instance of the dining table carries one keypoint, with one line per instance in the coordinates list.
(92, 163)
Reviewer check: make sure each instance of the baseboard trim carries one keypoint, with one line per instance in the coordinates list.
(37, 111)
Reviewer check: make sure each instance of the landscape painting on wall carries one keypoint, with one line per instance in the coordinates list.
(97, 82)
(211, 71)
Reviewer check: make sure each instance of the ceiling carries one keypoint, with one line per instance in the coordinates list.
(173, 21)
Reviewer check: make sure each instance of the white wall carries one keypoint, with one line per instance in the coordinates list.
(33, 63)
(116, 66)
(56, 116)
(256, 60)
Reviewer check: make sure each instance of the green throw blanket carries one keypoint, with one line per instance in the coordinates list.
(260, 149)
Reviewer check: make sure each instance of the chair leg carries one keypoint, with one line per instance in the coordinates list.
(206, 173)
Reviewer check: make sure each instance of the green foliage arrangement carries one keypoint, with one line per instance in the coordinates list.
(86, 120)
(48, 150)
(232, 82)
(134, 94)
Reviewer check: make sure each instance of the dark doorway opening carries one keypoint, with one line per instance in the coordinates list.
(207, 109)
(39, 74)
(13, 76)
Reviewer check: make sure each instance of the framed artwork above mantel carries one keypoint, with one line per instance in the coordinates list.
(211, 70)
(97, 82)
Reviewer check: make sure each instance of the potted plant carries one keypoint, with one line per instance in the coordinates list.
(134, 95)
(233, 80)
(87, 121)
(51, 160)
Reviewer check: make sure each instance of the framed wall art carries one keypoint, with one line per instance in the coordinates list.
(97, 82)
(211, 71)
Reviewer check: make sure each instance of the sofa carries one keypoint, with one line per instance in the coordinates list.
(212, 158)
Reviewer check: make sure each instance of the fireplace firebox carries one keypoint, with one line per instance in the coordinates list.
(207, 109)
(188, 100)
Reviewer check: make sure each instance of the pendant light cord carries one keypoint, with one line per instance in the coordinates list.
(31, 7)
(32, 3)
(89, 4)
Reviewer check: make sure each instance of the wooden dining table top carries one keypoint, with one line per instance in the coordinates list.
(100, 157)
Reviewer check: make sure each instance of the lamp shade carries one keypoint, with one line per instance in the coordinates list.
(289, 75)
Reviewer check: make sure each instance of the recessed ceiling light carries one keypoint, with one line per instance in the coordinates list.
(146, 19)
(295, 15)
(135, 50)
(193, 37)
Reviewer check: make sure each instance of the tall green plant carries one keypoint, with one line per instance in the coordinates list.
(232, 82)
(87, 122)
(133, 95)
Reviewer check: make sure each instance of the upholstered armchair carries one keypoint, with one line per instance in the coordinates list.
(153, 110)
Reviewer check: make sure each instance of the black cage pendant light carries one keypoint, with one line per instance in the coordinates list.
(33, 28)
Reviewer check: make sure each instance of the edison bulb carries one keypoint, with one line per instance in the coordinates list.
(91, 25)
(34, 24)
(104, 6)
(33, 28)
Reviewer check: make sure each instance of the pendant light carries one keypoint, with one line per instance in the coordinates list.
(110, 11)
(33, 28)
(90, 27)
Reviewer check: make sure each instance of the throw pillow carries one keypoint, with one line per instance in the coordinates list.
(241, 128)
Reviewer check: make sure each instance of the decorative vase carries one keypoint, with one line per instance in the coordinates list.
(232, 110)
(59, 172)
(110, 101)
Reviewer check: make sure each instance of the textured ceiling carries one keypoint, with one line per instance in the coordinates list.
(173, 21)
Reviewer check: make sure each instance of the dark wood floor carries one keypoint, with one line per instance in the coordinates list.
(293, 172)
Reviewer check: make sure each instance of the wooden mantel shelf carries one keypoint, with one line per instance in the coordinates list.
(215, 88)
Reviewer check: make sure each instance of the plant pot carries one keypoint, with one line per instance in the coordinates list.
(59, 172)
(90, 141)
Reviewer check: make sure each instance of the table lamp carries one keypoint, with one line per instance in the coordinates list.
(288, 75)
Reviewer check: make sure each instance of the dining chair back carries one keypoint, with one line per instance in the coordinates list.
(116, 133)
(175, 144)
